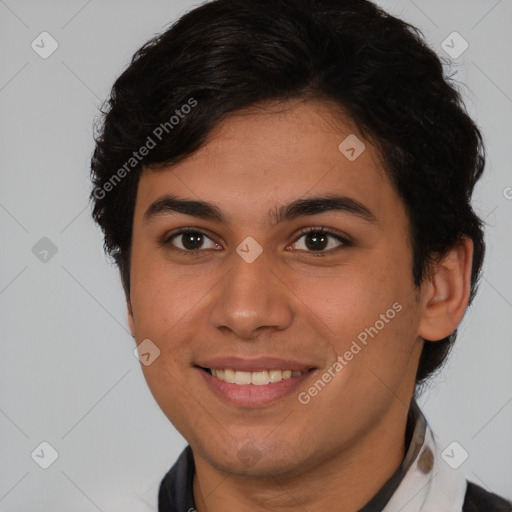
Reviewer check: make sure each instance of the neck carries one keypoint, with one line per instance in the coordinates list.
(345, 481)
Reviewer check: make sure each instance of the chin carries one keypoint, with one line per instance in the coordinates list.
(255, 459)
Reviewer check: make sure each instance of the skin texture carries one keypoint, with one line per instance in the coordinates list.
(340, 448)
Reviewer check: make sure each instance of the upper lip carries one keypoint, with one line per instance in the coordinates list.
(256, 364)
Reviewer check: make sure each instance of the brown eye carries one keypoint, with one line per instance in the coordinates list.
(316, 241)
(192, 241)
(188, 241)
(320, 240)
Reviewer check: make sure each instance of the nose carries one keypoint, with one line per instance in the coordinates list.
(251, 299)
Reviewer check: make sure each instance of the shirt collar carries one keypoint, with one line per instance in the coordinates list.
(414, 440)
(430, 482)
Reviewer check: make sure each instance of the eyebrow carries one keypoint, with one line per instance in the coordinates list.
(169, 204)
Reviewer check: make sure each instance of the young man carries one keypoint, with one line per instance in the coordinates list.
(285, 186)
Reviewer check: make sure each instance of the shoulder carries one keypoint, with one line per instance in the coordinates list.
(478, 499)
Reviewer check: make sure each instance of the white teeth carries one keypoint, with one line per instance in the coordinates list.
(242, 378)
(275, 375)
(229, 376)
(259, 378)
(256, 378)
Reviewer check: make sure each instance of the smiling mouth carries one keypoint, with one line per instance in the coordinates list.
(260, 378)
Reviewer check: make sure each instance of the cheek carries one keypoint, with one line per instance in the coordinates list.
(169, 390)
(162, 296)
(370, 315)
(352, 297)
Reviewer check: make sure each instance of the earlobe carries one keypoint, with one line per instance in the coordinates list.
(446, 293)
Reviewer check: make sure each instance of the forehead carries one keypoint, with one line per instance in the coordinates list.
(273, 154)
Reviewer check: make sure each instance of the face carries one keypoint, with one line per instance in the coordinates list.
(273, 272)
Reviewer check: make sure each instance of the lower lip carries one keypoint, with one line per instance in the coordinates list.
(251, 395)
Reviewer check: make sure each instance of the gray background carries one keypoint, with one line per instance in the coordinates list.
(68, 375)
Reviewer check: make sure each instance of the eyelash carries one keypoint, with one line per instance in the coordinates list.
(345, 241)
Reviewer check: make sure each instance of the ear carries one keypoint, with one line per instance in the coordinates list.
(445, 295)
